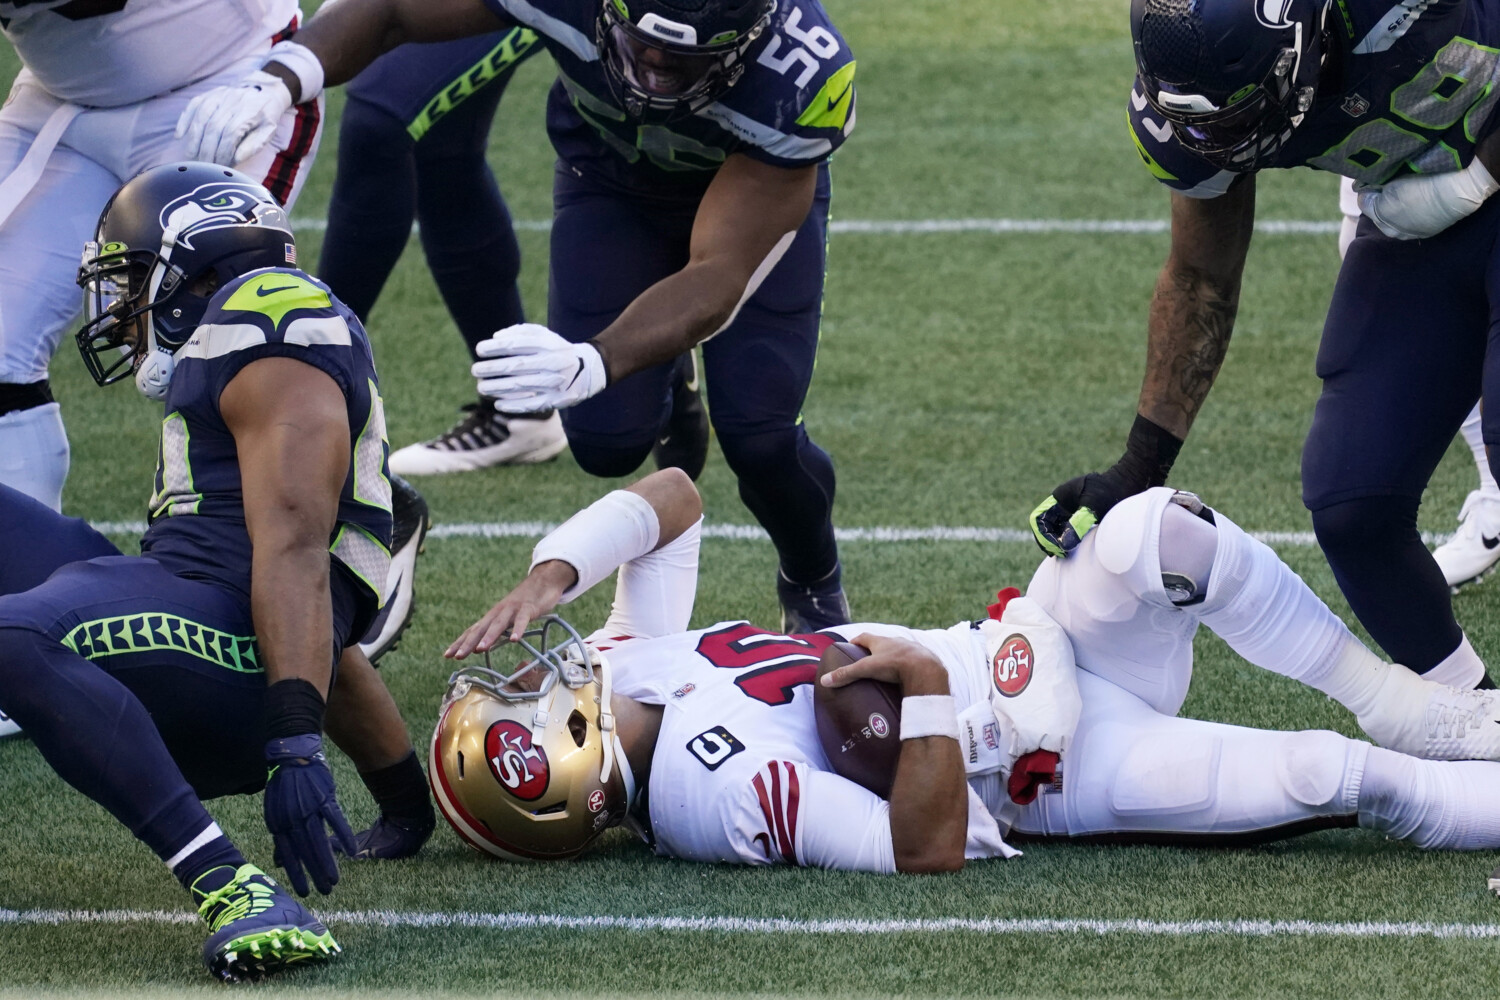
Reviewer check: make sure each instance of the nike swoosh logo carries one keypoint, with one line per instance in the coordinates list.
(662, 441)
(834, 102)
(1161, 133)
(576, 374)
(1138, 100)
(263, 291)
(1489, 543)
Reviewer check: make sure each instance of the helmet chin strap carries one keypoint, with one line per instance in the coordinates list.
(153, 376)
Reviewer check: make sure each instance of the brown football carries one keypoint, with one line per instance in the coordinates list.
(859, 724)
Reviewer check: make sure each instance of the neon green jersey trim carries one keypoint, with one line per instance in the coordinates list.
(145, 633)
(277, 294)
(830, 107)
(1158, 171)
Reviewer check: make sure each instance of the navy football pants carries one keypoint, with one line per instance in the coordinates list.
(412, 146)
(1403, 358)
(141, 688)
(608, 248)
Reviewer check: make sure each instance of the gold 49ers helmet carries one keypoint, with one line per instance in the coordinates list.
(527, 766)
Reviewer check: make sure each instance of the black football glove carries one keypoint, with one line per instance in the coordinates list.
(1060, 521)
(389, 839)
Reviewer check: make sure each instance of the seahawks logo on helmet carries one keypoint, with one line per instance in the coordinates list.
(1273, 13)
(220, 205)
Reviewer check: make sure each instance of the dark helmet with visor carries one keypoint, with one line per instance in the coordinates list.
(163, 232)
(671, 58)
(1233, 77)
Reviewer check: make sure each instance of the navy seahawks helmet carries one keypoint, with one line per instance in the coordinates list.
(672, 58)
(1233, 77)
(163, 232)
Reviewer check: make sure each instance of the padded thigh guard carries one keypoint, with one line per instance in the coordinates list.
(1135, 771)
(1108, 596)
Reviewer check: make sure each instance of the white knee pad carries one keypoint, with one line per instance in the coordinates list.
(34, 453)
(1108, 596)
(1313, 768)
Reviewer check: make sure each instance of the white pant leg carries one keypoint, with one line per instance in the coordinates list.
(1349, 214)
(1107, 595)
(1134, 770)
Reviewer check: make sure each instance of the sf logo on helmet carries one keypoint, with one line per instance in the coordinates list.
(1013, 666)
(220, 205)
(520, 767)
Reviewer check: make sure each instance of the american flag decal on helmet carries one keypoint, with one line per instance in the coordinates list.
(780, 792)
(291, 253)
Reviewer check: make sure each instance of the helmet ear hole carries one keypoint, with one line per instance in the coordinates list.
(460, 765)
(578, 727)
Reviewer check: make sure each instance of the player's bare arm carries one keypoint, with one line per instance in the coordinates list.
(751, 211)
(677, 506)
(1187, 335)
(746, 221)
(349, 35)
(1194, 304)
(929, 799)
(291, 431)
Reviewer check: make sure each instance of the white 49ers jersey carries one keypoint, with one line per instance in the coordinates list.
(738, 774)
(105, 53)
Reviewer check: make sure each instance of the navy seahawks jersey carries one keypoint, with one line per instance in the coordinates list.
(1407, 88)
(197, 525)
(793, 106)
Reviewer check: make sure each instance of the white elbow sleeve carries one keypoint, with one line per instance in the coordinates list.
(599, 539)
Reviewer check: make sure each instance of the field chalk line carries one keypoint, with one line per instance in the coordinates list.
(750, 925)
(755, 533)
(909, 227)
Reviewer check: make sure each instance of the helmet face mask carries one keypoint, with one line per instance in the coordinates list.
(664, 68)
(166, 240)
(1234, 111)
(526, 766)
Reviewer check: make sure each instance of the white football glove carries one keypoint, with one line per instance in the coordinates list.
(1423, 205)
(230, 124)
(528, 368)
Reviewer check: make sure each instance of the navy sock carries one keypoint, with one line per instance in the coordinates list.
(217, 858)
(1389, 578)
(788, 484)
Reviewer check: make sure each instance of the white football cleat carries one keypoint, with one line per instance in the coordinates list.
(410, 522)
(481, 439)
(1475, 546)
(1433, 721)
(8, 726)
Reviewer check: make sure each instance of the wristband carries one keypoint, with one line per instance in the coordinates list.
(1149, 453)
(293, 708)
(604, 536)
(928, 715)
(303, 65)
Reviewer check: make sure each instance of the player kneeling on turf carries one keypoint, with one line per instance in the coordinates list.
(705, 742)
(203, 666)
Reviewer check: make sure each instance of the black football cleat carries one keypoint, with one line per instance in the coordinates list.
(410, 523)
(683, 443)
(812, 607)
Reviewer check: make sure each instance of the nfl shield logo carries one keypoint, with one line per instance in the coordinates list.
(1355, 106)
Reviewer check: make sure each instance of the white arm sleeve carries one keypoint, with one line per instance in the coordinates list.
(608, 533)
(654, 593)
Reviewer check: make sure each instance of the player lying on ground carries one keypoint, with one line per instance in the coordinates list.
(704, 741)
(151, 682)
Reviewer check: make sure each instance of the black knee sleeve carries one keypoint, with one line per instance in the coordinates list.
(605, 461)
(788, 484)
(1389, 578)
(25, 396)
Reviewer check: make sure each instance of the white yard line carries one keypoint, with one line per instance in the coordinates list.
(752, 532)
(749, 925)
(906, 227)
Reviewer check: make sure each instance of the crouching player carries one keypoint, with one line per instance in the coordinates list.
(202, 667)
(704, 741)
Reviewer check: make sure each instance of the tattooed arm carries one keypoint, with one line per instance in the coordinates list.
(1193, 307)
(1192, 314)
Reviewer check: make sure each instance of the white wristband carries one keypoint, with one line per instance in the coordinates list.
(604, 536)
(928, 715)
(303, 64)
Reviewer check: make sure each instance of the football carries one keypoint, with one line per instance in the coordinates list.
(859, 724)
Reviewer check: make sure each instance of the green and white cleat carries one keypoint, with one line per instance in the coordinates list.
(257, 928)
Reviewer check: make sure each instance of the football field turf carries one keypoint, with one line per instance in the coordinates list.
(973, 356)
